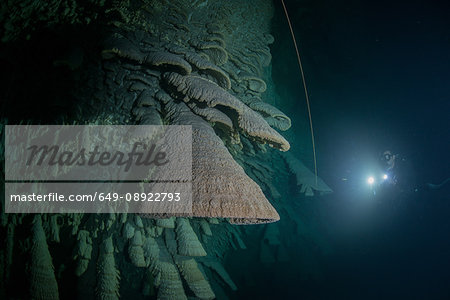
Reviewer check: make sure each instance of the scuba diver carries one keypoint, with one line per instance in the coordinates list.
(399, 177)
(388, 165)
(397, 171)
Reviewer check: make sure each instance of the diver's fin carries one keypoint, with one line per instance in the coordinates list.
(437, 186)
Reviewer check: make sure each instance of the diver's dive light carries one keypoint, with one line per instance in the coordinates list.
(371, 179)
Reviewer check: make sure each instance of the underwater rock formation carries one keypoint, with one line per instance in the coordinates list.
(108, 279)
(42, 279)
(305, 178)
(200, 63)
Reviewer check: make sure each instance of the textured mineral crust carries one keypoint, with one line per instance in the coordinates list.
(164, 62)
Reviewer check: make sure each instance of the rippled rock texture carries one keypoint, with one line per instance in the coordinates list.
(200, 63)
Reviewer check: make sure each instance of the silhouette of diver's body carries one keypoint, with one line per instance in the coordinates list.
(401, 178)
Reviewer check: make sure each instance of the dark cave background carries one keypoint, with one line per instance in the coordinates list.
(378, 76)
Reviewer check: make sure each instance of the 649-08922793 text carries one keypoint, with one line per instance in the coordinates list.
(111, 197)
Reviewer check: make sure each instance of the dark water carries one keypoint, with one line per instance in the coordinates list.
(378, 74)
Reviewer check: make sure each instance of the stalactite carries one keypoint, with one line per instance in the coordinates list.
(42, 278)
